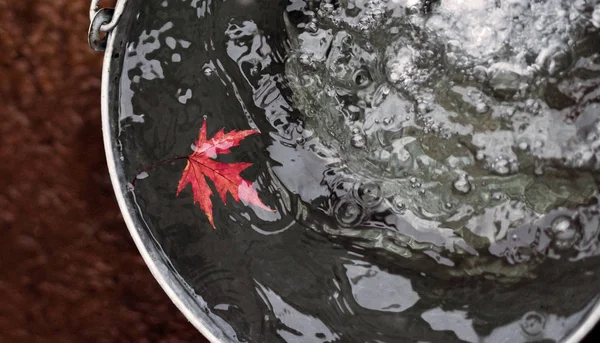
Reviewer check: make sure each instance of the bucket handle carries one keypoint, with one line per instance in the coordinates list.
(102, 21)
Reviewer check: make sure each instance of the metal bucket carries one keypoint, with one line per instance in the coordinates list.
(116, 24)
(111, 39)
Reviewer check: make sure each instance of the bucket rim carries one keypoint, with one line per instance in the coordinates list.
(180, 294)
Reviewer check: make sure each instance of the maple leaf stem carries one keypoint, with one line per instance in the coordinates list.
(154, 166)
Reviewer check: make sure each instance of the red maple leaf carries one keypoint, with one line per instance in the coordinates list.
(225, 176)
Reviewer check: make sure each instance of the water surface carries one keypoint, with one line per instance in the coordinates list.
(341, 260)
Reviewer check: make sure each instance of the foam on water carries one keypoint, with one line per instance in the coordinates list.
(461, 111)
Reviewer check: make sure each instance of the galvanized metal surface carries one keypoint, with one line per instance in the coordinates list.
(182, 296)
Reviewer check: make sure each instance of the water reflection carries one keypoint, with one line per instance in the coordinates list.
(375, 289)
(297, 327)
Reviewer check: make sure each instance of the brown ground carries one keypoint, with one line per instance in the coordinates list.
(69, 272)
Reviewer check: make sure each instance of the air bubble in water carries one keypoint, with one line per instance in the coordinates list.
(506, 79)
(368, 193)
(311, 27)
(565, 232)
(516, 7)
(377, 14)
(596, 16)
(398, 205)
(533, 323)
(504, 166)
(327, 7)
(482, 107)
(365, 22)
(462, 184)
(523, 145)
(358, 141)
(555, 59)
(208, 71)
(305, 59)
(352, 112)
(424, 108)
(348, 213)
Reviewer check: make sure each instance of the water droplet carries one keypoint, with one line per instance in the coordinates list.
(348, 213)
(462, 184)
(358, 141)
(533, 323)
(369, 194)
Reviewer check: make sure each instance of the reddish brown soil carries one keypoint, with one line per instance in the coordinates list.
(69, 271)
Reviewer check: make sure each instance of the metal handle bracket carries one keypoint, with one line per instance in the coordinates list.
(102, 21)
